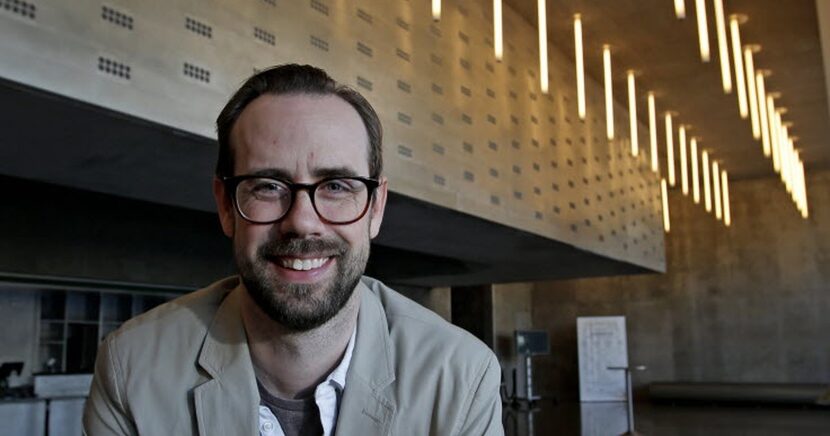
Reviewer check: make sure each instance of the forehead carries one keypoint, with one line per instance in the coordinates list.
(299, 134)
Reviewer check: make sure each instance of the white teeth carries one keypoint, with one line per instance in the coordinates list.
(303, 264)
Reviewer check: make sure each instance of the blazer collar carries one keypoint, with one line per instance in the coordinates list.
(227, 404)
(368, 407)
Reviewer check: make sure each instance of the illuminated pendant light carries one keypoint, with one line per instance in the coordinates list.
(749, 62)
(740, 80)
(773, 127)
(707, 186)
(785, 161)
(543, 46)
(723, 47)
(580, 67)
(670, 149)
(695, 176)
(632, 114)
(776, 143)
(791, 159)
(702, 30)
(795, 191)
(762, 111)
(716, 189)
(684, 167)
(652, 131)
(724, 184)
(436, 10)
(665, 195)
(782, 139)
(680, 9)
(609, 93)
(498, 34)
(804, 209)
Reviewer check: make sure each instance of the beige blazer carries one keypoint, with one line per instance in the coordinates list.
(184, 369)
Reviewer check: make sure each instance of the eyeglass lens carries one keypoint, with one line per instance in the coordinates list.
(335, 200)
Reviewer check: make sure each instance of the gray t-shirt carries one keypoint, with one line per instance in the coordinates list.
(296, 417)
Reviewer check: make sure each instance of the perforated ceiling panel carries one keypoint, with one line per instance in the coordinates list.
(461, 130)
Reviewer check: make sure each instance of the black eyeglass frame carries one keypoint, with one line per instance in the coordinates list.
(231, 183)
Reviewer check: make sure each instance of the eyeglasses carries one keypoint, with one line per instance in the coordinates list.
(265, 200)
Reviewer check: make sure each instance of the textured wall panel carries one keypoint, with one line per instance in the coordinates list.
(462, 130)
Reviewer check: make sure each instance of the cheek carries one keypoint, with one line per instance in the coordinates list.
(248, 238)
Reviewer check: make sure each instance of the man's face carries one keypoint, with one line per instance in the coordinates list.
(302, 138)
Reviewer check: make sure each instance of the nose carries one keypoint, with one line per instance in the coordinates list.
(302, 220)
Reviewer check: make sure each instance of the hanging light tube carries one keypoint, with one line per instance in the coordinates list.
(580, 66)
(782, 139)
(707, 186)
(773, 128)
(665, 196)
(680, 9)
(543, 46)
(776, 144)
(727, 213)
(723, 47)
(793, 170)
(740, 81)
(798, 183)
(749, 62)
(702, 30)
(716, 189)
(436, 10)
(695, 176)
(803, 182)
(670, 149)
(632, 114)
(762, 111)
(652, 131)
(498, 34)
(684, 167)
(786, 164)
(609, 93)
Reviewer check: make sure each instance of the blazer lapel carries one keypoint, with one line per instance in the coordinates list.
(227, 404)
(368, 408)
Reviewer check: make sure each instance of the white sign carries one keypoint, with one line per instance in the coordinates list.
(602, 344)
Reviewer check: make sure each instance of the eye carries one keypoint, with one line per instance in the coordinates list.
(334, 186)
(266, 188)
(339, 187)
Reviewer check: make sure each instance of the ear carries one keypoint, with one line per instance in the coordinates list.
(224, 205)
(377, 207)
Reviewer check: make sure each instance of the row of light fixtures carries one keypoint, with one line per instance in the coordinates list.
(753, 101)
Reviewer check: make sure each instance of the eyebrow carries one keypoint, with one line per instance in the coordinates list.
(325, 173)
(321, 173)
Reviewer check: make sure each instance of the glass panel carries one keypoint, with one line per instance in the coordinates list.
(83, 306)
(52, 304)
(116, 307)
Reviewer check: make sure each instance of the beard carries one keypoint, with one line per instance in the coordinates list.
(296, 306)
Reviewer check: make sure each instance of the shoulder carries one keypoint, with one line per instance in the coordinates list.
(418, 333)
(177, 324)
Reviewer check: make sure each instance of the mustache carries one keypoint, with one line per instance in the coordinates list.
(299, 247)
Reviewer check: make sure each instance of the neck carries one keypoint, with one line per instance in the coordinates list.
(291, 364)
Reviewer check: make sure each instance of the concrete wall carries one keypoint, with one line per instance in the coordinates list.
(746, 304)
(512, 309)
(461, 130)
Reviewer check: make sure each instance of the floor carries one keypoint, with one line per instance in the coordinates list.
(601, 419)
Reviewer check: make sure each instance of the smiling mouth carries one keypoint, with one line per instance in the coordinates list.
(298, 264)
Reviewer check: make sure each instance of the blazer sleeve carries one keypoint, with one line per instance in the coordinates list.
(105, 412)
(484, 414)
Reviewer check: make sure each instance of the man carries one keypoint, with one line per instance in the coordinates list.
(299, 343)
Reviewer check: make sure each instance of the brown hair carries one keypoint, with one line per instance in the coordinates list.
(295, 79)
